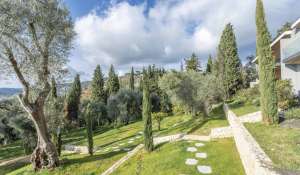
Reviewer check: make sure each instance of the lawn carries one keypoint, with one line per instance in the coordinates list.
(243, 109)
(280, 144)
(112, 143)
(11, 151)
(169, 159)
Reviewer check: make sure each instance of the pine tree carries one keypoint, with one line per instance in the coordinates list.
(97, 88)
(231, 68)
(131, 80)
(209, 64)
(147, 113)
(266, 62)
(113, 84)
(193, 64)
(89, 128)
(71, 108)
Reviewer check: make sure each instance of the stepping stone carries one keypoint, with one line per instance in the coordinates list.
(116, 150)
(190, 141)
(126, 149)
(201, 155)
(115, 147)
(131, 141)
(191, 161)
(137, 137)
(121, 144)
(199, 144)
(204, 169)
(141, 132)
(191, 149)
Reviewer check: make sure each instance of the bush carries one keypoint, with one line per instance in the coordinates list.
(247, 95)
(293, 113)
(285, 95)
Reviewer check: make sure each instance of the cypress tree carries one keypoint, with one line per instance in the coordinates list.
(231, 69)
(209, 64)
(147, 113)
(192, 64)
(268, 98)
(131, 80)
(71, 108)
(89, 128)
(98, 92)
(113, 84)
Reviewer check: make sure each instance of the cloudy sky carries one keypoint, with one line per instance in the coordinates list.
(163, 32)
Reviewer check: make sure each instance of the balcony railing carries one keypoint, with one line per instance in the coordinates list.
(291, 47)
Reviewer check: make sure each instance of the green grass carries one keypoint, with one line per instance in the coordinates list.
(169, 159)
(282, 145)
(243, 109)
(11, 151)
(106, 139)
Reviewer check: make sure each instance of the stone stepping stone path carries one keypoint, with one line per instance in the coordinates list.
(191, 149)
(137, 137)
(120, 144)
(116, 150)
(126, 149)
(199, 144)
(201, 155)
(141, 132)
(191, 161)
(130, 141)
(204, 169)
(115, 147)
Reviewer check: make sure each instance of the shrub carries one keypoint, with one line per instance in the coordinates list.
(293, 113)
(247, 95)
(286, 98)
(158, 117)
(89, 128)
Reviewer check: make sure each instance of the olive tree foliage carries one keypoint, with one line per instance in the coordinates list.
(194, 91)
(35, 40)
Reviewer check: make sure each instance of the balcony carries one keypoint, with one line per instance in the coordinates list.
(291, 50)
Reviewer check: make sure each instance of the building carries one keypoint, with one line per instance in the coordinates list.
(286, 52)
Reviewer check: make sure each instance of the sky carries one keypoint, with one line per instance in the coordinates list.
(137, 33)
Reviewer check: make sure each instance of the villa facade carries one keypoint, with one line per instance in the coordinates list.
(286, 51)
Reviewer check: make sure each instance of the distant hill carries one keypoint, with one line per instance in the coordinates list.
(7, 92)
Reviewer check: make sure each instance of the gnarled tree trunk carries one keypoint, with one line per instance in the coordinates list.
(45, 154)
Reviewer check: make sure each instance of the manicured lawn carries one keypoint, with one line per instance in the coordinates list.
(282, 145)
(169, 159)
(11, 151)
(109, 142)
(243, 109)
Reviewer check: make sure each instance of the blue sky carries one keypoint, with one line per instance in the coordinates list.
(163, 32)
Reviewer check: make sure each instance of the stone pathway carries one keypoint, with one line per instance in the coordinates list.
(202, 169)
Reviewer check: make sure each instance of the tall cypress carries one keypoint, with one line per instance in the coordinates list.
(71, 108)
(230, 64)
(97, 88)
(268, 98)
(89, 128)
(131, 80)
(113, 84)
(209, 64)
(147, 113)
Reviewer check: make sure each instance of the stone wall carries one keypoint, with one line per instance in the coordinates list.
(254, 159)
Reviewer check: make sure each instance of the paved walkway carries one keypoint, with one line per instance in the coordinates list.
(25, 159)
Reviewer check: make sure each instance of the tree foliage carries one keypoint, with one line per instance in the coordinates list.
(71, 108)
(209, 64)
(266, 62)
(229, 63)
(131, 80)
(147, 112)
(89, 127)
(113, 84)
(97, 86)
(192, 64)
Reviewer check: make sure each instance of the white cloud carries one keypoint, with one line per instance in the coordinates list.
(171, 31)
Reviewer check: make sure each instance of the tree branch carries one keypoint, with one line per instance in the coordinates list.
(34, 37)
(19, 74)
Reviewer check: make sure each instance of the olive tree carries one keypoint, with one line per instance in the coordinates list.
(35, 40)
(194, 91)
